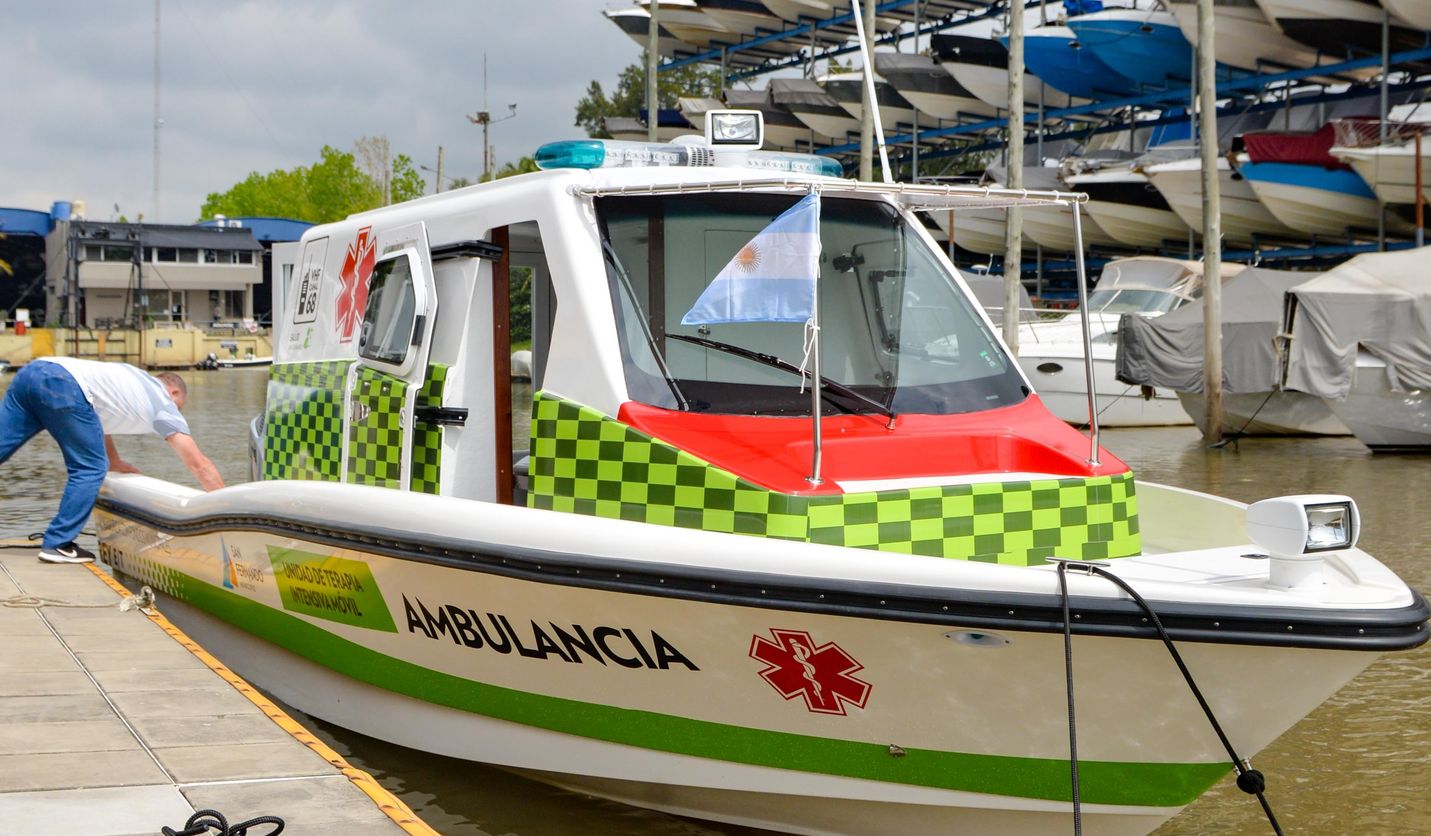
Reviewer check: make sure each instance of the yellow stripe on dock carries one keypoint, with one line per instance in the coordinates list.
(392, 806)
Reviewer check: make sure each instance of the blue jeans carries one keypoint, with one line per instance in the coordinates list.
(43, 396)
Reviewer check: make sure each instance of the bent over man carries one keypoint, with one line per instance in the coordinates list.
(83, 404)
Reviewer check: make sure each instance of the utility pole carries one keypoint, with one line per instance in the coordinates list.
(653, 42)
(437, 189)
(1211, 222)
(1013, 216)
(484, 118)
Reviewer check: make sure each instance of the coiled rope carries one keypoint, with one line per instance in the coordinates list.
(1249, 780)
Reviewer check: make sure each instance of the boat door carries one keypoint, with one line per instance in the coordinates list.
(393, 345)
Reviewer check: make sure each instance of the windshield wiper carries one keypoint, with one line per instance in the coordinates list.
(611, 259)
(777, 363)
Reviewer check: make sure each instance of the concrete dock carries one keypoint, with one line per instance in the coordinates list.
(115, 722)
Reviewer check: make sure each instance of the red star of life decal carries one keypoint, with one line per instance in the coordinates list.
(822, 675)
(353, 283)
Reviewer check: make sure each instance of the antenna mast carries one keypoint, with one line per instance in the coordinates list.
(158, 122)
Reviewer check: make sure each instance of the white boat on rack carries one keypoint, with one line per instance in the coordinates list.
(698, 593)
(1244, 218)
(1360, 340)
(1051, 351)
(1124, 203)
(1387, 163)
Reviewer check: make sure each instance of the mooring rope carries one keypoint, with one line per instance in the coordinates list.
(1249, 780)
(143, 601)
(213, 823)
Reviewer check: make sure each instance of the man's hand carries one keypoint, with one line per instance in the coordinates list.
(196, 461)
(116, 463)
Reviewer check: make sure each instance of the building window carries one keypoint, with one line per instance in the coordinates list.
(166, 255)
(211, 256)
(242, 256)
(107, 252)
(188, 256)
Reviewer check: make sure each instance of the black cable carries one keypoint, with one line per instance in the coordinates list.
(1238, 434)
(1072, 721)
(203, 822)
(1249, 780)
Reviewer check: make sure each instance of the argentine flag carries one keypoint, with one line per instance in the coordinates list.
(772, 278)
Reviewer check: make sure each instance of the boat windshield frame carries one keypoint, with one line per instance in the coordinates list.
(892, 326)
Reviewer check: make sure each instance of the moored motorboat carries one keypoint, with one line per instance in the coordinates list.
(696, 592)
(1051, 352)
(1168, 352)
(1360, 340)
(1413, 12)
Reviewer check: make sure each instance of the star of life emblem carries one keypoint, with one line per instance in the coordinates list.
(822, 675)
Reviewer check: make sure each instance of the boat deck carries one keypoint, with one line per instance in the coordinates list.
(115, 722)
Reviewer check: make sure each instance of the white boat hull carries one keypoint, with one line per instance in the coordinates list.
(584, 649)
(1058, 376)
(1052, 228)
(983, 231)
(1138, 226)
(991, 86)
(946, 107)
(1243, 215)
(1317, 211)
(1380, 417)
(1246, 38)
(1267, 413)
(1391, 170)
(830, 126)
(1415, 12)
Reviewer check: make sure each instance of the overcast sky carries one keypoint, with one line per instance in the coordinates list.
(255, 85)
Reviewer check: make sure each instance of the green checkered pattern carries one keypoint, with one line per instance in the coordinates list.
(303, 424)
(426, 470)
(375, 443)
(588, 463)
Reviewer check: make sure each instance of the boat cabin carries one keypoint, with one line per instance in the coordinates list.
(925, 436)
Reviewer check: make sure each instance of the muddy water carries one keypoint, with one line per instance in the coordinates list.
(1355, 765)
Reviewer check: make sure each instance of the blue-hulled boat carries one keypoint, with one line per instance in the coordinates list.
(1146, 46)
(1054, 54)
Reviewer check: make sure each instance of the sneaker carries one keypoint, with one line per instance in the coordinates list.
(68, 553)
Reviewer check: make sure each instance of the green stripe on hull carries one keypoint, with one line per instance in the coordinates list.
(1102, 782)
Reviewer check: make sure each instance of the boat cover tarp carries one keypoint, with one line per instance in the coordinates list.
(1167, 351)
(1380, 302)
(1304, 148)
(790, 92)
(989, 291)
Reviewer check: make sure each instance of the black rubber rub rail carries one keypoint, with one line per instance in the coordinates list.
(1372, 630)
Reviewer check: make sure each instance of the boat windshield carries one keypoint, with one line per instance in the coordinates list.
(897, 334)
(1121, 300)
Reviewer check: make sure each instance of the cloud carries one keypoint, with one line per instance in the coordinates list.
(264, 84)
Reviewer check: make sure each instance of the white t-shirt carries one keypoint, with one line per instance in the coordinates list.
(129, 401)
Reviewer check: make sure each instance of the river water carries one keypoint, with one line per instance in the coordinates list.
(1355, 765)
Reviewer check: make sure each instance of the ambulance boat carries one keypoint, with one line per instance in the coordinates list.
(815, 577)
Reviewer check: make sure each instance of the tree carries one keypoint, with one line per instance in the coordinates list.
(523, 166)
(329, 190)
(629, 98)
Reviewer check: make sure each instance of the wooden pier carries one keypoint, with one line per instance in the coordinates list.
(112, 721)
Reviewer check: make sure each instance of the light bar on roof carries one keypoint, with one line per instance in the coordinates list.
(735, 129)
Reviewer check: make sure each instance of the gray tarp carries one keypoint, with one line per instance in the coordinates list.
(1167, 351)
(989, 291)
(789, 92)
(1378, 301)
